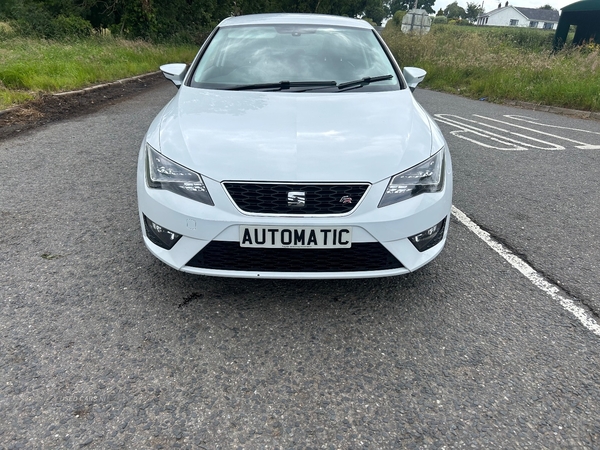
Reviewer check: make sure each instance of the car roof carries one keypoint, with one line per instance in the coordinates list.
(296, 19)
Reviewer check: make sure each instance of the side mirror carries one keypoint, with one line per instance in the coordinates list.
(174, 72)
(413, 76)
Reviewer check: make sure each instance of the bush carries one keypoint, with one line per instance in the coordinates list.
(371, 21)
(463, 23)
(32, 20)
(71, 26)
(440, 20)
(6, 30)
(38, 23)
(398, 16)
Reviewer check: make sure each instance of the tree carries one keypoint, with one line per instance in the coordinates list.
(547, 7)
(405, 5)
(453, 11)
(473, 10)
(188, 20)
(374, 10)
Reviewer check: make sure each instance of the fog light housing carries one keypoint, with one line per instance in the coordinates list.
(430, 237)
(159, 235)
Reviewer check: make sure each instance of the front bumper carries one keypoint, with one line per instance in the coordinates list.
(214, 230)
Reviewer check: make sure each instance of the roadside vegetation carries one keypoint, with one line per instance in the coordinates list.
(30, 67)
(56, 45)
(501, 64)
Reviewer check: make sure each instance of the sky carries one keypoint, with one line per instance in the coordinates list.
(489, 5)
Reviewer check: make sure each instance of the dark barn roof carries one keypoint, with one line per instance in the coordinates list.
(584, 5)
(585, 15)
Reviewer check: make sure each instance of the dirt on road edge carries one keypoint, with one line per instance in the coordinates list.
(53, 107)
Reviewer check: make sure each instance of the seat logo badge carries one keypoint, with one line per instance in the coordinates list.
(346, 199)
(296, 199)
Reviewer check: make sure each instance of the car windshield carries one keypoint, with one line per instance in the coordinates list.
(312, 58)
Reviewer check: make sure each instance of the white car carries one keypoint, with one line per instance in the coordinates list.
(294, 149)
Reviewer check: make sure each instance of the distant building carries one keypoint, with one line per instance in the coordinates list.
(512, 16)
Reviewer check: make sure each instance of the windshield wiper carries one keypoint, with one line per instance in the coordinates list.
(363, 82)
(282, 85)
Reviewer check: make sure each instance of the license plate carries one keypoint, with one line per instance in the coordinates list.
(296, 237)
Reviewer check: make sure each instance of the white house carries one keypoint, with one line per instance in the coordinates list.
(512, 16)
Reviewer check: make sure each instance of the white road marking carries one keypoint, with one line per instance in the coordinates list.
(581, 146)
(507, 146)
(533, 276)
(534, 121)
(479, 133)
(460, 122)
(461, 134)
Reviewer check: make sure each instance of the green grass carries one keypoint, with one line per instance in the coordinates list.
(29, 67)
(502, 64)
(496, 63)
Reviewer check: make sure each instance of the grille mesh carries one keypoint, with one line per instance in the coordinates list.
(227, 255)
(267, 198)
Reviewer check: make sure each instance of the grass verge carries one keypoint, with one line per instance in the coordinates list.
(502, 64)
(478, 62)
(29, 67)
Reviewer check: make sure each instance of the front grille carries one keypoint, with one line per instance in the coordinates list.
(228, 255)
(270, 198)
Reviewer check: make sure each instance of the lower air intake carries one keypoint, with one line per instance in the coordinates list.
(361, 257)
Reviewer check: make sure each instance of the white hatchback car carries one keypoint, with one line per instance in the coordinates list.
(294, 149)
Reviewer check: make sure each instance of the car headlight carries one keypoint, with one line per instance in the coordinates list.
(162, 173)
(427, 176)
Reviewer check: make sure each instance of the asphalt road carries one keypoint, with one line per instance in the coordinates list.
(533, 180)
(102, 346)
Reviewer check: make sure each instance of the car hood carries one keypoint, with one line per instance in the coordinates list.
(287, 136)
